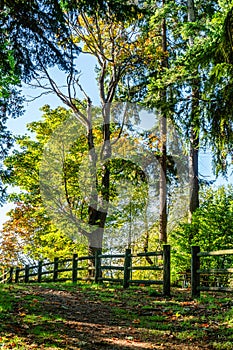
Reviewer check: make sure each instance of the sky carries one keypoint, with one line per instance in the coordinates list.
(86, 65)
(32, 109)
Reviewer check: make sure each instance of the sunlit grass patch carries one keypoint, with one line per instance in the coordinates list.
(190, 335)
(222, 345)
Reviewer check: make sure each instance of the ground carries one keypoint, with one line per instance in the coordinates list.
(56, 316)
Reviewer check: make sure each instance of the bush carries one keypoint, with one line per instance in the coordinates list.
(211, 229)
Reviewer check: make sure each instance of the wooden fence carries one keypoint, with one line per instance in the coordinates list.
(125, 269)
(119, 268)
(6, 275)
(199, 276)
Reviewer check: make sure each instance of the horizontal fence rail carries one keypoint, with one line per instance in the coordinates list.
(197, 285)
(119, 268)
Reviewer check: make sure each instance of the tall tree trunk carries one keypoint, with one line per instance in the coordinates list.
(193, 172)
(163, 147)
(162, 181)
(99, 202)
(194, 133)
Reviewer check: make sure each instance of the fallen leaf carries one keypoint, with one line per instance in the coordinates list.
(136, 321)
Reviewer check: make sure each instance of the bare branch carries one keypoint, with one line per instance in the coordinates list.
(34, 98)
(101, 83)
(122, 125)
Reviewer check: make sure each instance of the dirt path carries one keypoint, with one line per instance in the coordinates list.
(81, 321)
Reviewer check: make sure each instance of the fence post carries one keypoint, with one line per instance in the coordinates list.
(39, 274)
(166, 270)
(75, 268)
(3, 276)
(26, 276)
(55, 269)
(127, 265)
(17, 274)
(97, 265)
(11, 275)
(195, 276)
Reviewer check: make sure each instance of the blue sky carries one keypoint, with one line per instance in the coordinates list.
(85, 64)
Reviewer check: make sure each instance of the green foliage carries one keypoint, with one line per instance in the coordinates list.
(31, 29)
(28, 39)
(120, 9)
(30, 233)
(211, 229)
(204, 66)
(208, 60)
(10, 104)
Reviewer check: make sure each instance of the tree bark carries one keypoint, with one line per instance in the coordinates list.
(162, 181)
(99, 202)
(194, 133)
(163, 146)
(193, 173)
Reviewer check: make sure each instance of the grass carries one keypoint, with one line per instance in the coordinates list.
(5, 301)
(28, 319)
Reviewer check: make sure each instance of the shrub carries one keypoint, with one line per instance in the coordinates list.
(211, 229)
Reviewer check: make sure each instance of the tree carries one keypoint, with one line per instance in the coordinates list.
(31, 30)
(30, 233)
(211, 228)
(205, 62)
(30, 236)
(10, 105)
(159, 45)
(28, 32)
(161, 89)
(218, 87)
(194, 127)
(118, 48)
(192, 95)
(163, 140)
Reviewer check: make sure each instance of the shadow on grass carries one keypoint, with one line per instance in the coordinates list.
(68, 317)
